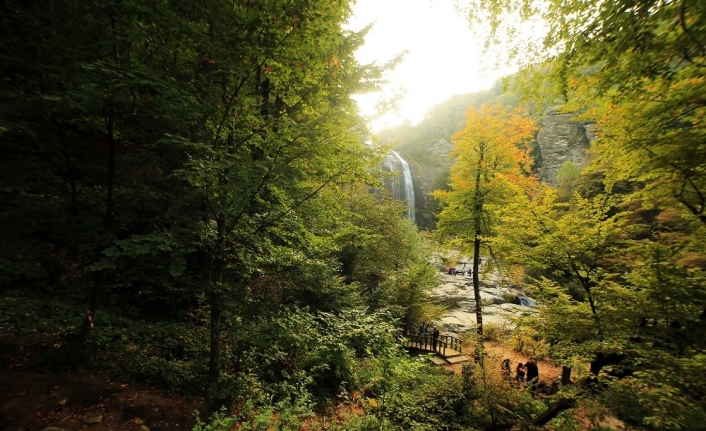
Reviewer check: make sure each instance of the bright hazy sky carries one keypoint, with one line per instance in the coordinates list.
(444, 57)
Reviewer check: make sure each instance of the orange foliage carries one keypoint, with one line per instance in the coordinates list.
(494, 141)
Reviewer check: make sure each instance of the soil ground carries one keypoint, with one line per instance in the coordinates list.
(548, 370)
(32, 401)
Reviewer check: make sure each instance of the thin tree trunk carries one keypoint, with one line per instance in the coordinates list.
(69, 166)
(107, 221)
(476, 283)
(107, 218)
(477, 232)
(92, 305)
(214, 364)
(215, 280)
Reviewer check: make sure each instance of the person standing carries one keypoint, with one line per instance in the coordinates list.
(505, 369)
(422, 333)
(532, 376)
(435, 338)
(520, 373)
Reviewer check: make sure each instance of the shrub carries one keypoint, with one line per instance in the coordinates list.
(530, 346)
(494, 332)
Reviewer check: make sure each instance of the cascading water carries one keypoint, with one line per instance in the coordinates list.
(392, 183)
(401, 187)
(408, 186)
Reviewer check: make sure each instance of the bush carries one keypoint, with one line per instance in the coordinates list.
(494, 332)
(281, 417)
(406, 394)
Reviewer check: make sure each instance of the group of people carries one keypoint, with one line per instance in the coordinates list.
(527, 372)
(424, 334)
(453, 271)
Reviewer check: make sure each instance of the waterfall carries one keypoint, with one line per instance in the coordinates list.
(408, 186)
(398, 165)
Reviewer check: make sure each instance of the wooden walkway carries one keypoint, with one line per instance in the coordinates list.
(448, 347)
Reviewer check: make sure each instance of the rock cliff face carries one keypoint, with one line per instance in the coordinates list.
(425, 178)
(562, 139)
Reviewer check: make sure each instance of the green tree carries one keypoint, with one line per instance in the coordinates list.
(492, 166)
(566, 178)
(636, 69)
(170, 150)
(643, 61)
(572, 248)
(638, 312)
(381, 253)
(280, 128)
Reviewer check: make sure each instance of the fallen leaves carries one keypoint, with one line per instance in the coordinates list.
(94, 419)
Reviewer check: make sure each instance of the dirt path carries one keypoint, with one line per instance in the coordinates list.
(548, 371)
(33, 401)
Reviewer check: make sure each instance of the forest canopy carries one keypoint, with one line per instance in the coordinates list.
(193, 174)
(187, 202)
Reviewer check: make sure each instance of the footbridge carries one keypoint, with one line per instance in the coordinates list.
(447, 348)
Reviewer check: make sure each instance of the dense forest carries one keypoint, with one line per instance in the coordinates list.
(187, 208)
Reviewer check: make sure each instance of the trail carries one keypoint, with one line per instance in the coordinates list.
(548, 370)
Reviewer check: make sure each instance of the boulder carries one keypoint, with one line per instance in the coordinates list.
(491, 298)
(524, 301)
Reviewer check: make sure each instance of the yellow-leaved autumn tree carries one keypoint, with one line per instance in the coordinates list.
(492, 166)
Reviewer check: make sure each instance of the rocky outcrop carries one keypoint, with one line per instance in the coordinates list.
(496, 294)
(561, 139)
(425, 177)
(441, 152)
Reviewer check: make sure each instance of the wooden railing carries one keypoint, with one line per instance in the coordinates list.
(444, 344)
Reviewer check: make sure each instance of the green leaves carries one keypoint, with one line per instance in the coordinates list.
(186, 166)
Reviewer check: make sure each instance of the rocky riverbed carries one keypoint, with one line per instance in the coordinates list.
(497, 296)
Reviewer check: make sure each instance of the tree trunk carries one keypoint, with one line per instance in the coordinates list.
(92, 305)
(477, 232)
(214, 352)
(107, 221)
(215, 281)
(70, 174)
(108, 216)
(553, 411)
(565, 376)
(476, 283)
